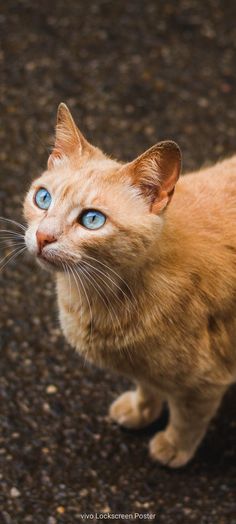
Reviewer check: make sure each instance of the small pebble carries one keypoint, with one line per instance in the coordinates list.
(187, 511)
(45, 451)
(14, 493)
(51, 389)
(83, 492)
(60, 510)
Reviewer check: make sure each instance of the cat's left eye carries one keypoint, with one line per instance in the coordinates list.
(92, 219)
(42, 198)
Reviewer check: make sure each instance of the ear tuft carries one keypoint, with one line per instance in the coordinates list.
(156, 172)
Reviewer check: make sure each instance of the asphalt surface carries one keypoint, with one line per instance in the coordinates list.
(133, 73)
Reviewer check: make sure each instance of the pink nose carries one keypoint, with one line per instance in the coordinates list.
(43, 239)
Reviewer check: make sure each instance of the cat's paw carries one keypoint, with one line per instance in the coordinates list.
(128, 413)
(168, 454)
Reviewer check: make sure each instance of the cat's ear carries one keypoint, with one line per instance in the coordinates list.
(68, 138)
(156, 172)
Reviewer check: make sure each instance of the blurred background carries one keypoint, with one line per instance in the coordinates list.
(132, 73)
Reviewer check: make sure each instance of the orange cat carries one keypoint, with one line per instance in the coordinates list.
(144, 288)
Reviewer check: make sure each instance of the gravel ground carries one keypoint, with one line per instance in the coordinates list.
(133, 73)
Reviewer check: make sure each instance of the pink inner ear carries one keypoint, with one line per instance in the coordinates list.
(168, 184)
(165, 193)
(156, 173)
(162, 201)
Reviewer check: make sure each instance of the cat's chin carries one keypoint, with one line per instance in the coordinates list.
(51, 265)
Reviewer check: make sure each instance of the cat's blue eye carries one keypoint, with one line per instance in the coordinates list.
(92, 219)
(43, 198)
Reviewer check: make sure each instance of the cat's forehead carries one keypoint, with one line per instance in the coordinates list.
(96, 182)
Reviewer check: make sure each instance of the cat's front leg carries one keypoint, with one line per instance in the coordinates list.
(189, 419)
(136, 409)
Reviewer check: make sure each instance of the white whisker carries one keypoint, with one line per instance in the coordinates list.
(12, 256)
(78, 289)
(114, 313)
(66, 269)
(112, 281)
(89, 276)
(13, 233)
(117, 299)
(21, 226)
(84, 354)
(8, 243)
(114, 272)
(88, 301)
(11, 239)
(85, 256)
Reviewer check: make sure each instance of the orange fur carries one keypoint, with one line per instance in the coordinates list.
(152, 294)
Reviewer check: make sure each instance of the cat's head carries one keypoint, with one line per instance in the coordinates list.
(87, 205)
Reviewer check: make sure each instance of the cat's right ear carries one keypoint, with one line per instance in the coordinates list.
(68, 139)
(155, 174)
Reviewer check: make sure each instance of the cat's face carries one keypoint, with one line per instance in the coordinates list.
(86, 205)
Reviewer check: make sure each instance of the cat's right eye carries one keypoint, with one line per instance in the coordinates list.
(92, 219)
(42, 198)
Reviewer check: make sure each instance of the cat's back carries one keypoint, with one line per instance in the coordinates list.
(207, 198)
(200, 229)
(220, 176)
(199, 254)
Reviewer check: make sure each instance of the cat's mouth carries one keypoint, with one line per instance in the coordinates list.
(50, 262)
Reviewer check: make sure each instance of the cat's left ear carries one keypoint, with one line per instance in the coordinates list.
(156, 172)
(68, 138)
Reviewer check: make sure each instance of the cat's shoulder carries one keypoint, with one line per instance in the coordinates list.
(221, 171)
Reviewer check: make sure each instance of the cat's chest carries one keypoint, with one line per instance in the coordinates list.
(110, 346)
(83, 331)
(92, 332)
